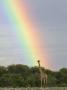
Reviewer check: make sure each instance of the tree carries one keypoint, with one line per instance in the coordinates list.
(24, 76)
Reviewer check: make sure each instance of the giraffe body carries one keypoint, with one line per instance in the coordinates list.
(43, 76)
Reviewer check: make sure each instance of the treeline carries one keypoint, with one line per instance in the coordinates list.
(24, 76)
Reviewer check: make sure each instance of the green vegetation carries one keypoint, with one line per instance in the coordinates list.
(24, 76)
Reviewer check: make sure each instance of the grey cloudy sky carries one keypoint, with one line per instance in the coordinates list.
(51, 18)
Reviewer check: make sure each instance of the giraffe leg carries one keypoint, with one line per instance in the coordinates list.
(44, 82)
(41, 81)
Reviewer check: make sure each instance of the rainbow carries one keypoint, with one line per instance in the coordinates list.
(26, 31)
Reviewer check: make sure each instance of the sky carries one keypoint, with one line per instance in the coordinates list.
(50, 16)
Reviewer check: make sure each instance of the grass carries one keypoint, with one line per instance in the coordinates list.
(48, 88)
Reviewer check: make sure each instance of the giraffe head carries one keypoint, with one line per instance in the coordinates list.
(38, 62)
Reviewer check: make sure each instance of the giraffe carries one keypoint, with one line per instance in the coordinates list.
(43, 75)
